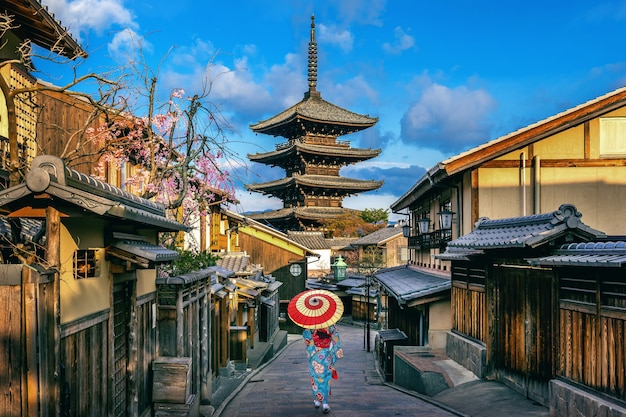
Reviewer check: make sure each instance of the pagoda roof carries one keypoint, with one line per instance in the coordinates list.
(314, 114)
(304, 213)
(316, 181)
(351, 155)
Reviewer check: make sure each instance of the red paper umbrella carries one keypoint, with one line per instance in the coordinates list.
(315, 309)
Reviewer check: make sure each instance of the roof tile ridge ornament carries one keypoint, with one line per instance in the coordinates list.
(312, 61)
(566, 213)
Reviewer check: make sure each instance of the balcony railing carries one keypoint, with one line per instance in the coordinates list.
(437, 239)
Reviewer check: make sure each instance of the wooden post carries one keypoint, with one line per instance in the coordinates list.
(180, 326)
(251, 322)
(29, 301)
(205, 331)
(53, 257)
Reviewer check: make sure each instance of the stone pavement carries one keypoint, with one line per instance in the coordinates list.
(281, 388)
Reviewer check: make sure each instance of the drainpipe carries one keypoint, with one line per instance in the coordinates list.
(537, 185)
(522, 157)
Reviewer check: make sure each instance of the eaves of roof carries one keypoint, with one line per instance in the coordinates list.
(589, 254)
(316, 181)
(521, 232)
(35, 22)
(191, 277)
(315, 109)
(355, 154)
(537, 131)
(48, 175)
(408, 285)
(510, 142)
(253, 224)
(379, 237)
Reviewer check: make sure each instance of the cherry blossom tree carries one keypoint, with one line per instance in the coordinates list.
(177, 147)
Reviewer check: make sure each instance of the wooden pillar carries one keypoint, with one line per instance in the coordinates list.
(30, 396)
(180, 346)
(224, 331)
(251, 323)
(205, 346)
(53, 257)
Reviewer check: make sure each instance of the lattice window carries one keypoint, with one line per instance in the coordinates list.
(86, 263)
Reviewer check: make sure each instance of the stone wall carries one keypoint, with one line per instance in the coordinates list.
(567, 400)
(467, 353)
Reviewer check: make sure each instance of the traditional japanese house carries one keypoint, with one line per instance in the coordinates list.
(80, 297)
(506, 322)
(590, 364)
(313, 189)
(573, 156)
(384, 248)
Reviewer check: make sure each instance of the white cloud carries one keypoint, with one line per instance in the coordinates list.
(126, 45)
(450, 119)
(81, 16)
(336, 36)
(402, 42)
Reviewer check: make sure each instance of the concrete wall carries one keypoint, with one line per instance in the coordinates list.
(440, 323)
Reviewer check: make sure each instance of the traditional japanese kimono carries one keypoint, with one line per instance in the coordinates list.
(324, 348)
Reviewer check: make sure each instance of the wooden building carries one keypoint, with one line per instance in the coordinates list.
(506, 321)
(82, 306)
(32, 24)
(312, 190)
(576, 156)
(589, 332)
(384, 248)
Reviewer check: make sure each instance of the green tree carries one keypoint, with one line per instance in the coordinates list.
(375, 216)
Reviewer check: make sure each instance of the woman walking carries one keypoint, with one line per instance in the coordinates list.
(324, 348)
(317, 311)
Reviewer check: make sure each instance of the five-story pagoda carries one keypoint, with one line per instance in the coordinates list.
(312, 190)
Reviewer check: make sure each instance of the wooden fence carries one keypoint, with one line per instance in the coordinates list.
(27, 343)
(469, 314)
(592, 326)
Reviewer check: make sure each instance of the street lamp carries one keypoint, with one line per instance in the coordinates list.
(368, 283)
(339, 269)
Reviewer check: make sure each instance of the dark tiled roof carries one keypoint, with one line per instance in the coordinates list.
(595, 254)
(34, 22)
(311, 113)
(316, 181)
(339, 243)
(236, 263)
(407, 284)
(28, 229)
(380, 236)
(313, 213)
(48, 174)
(521, 232)
(346, 154)
(312, 240)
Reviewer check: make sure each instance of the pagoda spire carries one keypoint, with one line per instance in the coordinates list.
(312, 73)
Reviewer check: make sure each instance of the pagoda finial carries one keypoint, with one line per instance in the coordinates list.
(312, 58)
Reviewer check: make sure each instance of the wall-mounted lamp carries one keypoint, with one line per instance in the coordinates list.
(445, 219)
(423, 225)
(406, 230)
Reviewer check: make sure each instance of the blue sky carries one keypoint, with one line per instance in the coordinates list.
(441, 76)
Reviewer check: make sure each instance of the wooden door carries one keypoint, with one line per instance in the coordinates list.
(122, 297)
